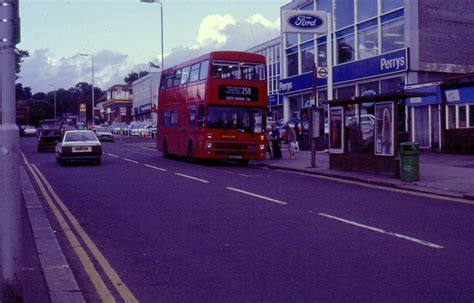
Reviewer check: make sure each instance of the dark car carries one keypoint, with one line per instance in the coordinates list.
(79, 145)
(47, 139)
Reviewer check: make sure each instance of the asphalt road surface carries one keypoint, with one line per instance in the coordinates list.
(164, 230)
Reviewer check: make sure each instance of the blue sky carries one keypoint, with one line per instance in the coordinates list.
(124, 35)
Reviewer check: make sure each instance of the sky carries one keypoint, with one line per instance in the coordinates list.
(124, 35)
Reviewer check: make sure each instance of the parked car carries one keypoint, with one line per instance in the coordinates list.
(136, 129)
(115, 128)
(29, 130)
(103, 133)
(79, 145)
(47, 139)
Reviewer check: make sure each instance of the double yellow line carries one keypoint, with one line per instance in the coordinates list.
(54, 202)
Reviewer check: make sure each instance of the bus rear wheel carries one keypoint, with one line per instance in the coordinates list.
(165, 149)
(190, 153)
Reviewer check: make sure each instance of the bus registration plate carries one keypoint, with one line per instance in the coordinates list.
(235, 157)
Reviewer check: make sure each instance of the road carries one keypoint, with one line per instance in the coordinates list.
(164, 230)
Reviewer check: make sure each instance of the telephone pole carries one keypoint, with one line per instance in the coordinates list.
(10, 197)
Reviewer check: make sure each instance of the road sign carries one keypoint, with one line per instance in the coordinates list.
(322, 72)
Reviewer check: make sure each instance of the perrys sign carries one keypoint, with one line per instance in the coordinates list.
(311, 22)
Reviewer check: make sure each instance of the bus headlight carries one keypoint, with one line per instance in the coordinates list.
(209, 145)
(262, 146)
(209, 135)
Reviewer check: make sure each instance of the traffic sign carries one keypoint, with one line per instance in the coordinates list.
(322, 72)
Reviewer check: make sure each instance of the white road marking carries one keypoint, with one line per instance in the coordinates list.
(154, 167)
(133, 161)
(192, 178)
(112, 155)
(257, 196)
(382, 231)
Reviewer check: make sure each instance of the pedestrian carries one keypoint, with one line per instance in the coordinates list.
(268, 141)
(291, 138)
(275, 134)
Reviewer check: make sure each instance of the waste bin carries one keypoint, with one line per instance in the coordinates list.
(410, 165)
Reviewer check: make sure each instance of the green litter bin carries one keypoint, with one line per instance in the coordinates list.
(410, 164)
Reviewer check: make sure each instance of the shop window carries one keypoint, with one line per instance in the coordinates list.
(322, 55)
(471, 115)
(292, 64)
(345, 49)
(307, 7)
(393, 36)
(344, 13)
(295, 106)
(367, 127)
(322, 95)
(366, 9)
(369, 89)
(368, 42)
(291, 39)
(462, 116)
(324, 5)
(451, 116)
(336, 133)
(392, 85)
(389, 5)
(306, 37)
(345, 92)
(307, 59)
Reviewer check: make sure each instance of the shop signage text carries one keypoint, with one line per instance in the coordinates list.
(313, 22)
(145, 108)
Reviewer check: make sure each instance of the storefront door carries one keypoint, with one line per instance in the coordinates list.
(435, 126)
(422, 126)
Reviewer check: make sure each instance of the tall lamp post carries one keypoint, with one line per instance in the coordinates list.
(93, 111)
(55, 90)
(161, 11)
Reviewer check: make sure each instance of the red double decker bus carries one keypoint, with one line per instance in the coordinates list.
(214, 107)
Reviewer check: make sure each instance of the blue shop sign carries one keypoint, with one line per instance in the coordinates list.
(426, 100)
(389, 63)
(305, 22)
(460, 94)
(298, 83)
(145, 108)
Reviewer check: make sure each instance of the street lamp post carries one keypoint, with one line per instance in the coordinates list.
(93, 111)
(162, 44)
(55, 90)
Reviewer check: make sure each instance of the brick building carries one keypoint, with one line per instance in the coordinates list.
(115, 106)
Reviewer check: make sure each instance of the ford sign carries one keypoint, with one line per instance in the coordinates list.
(304, 22)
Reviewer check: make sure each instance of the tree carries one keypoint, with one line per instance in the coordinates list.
(20, 56)
(133, 76)
(39, 110)
(22, 93)
(39, 96)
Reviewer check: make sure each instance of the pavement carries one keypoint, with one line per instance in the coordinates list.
(441, 174)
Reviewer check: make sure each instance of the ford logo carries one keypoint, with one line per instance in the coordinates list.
(305, 22)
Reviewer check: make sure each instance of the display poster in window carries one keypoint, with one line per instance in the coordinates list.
(336, 130)
(384, 129)
(238, 93)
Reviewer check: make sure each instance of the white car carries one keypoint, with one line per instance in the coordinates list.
(29, 130)
(79, 145)
(104, 134)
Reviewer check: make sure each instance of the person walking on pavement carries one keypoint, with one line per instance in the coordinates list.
(275, 134)
(268, 139)
(291, 138)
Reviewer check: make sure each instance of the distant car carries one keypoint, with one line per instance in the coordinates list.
(136, 129)
(47, 139)
(79, 145)
(29, 130)
(103, 133)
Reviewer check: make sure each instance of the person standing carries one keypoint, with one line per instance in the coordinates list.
(275, 134)
(291, 138)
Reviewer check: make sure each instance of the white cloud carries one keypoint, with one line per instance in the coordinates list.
(216, 32)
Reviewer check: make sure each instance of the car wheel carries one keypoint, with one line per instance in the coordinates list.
(97, 161)
(165, 149)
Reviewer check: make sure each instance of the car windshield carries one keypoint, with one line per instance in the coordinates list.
(243, 119)
(86, 136)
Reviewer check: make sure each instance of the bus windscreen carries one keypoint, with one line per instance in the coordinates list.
(242, 119)
(237, 70)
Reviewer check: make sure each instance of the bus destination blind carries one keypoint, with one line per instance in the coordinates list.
(238, 93)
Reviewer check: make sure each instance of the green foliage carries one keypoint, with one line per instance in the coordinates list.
(133, 76)
(20, 56)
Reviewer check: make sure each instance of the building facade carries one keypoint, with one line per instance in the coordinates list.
(145, 97)
(379, 46)
(116, 104)
(272, 52)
